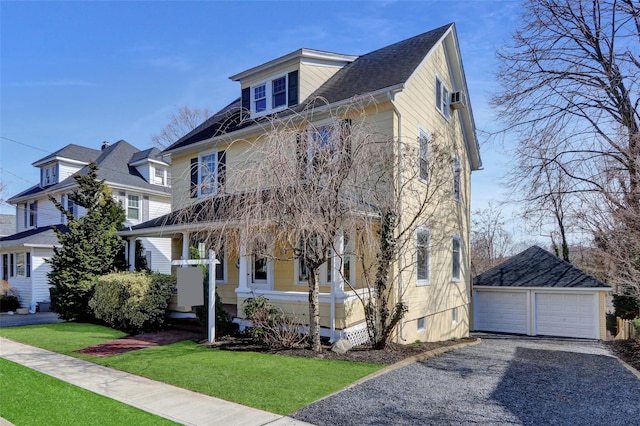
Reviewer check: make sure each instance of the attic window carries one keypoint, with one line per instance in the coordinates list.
(49, 175)
(271, 95)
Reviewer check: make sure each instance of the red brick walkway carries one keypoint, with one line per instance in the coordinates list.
(141, 341)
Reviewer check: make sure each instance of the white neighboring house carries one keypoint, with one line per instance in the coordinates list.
(140, 180)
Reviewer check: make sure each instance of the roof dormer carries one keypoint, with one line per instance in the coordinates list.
(286, 81)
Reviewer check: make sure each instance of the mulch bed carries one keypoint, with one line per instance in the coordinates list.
(627, 350)
(141, 341)
(392, 354)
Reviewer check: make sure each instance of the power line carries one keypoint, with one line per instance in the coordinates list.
(25, 144)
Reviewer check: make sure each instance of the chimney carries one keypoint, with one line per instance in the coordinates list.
(105, 145)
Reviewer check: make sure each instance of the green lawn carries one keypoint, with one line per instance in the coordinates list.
(28, 397)
(276, 383)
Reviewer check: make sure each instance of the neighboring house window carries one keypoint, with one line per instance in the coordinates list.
(20, 264)
(423, 153)
(422, 248)
(49, 175)
(455, 258)
(28, 267)
(422, 323)
(32, 217)
(72, 207)
(133, 207)
(12, 265)
(454, 315)
(456, 178)
(442, 98)
(159, 176)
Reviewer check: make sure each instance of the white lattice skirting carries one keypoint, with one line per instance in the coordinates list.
(357, 335)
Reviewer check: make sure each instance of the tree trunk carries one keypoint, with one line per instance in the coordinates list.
(314, 309)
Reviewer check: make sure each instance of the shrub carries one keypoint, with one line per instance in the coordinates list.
(133, 302)
(626, 306)
(270, 326)
(612, 323)
(636, 324)
(8, 297)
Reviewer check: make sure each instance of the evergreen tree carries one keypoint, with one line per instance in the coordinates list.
(89, 249)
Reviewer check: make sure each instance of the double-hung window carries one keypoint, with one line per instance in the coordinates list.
(159, 176)
(423, 153)
(456, 178)
(133, 207)
(422, 256)
(442, 98)
(260, 98)
(455, 258)
(279, 92)
(20, 265)
(208, 173)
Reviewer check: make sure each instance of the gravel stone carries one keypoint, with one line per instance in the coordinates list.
(504, 380)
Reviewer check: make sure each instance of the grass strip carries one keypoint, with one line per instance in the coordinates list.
(32, 398)
(276, 383)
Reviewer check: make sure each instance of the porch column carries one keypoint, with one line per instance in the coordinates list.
(132, 253)
(337, 278)
(185, 246)
(243, 273)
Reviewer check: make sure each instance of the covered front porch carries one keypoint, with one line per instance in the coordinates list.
(283, 279)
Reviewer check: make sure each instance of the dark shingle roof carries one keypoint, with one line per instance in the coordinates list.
(150, 153)
(44, 235)
(113, 167)
(536, 267)
(7, 224)
(73, 152)
(380, 69)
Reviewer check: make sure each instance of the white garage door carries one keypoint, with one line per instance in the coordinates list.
(501, 311)
(566, 314)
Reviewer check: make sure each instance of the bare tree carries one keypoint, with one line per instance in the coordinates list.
(490, 241)
(304, 188)
(570, 87)
(182, 121)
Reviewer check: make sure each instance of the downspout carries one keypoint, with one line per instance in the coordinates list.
(391, 96)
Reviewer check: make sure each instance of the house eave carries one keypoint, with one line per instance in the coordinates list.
(572, 289)
(380, 95)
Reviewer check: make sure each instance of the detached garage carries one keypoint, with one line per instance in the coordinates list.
(539, 294)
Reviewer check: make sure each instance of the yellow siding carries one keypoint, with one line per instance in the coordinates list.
(270, 74)
(602, 315)
(312, 77)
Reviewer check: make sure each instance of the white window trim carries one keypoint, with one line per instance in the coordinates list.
(423, 134)
(262, 284)
(24, 264)
(139, 207)
(454, 315)
(445, 99)
(163, 181)
(268, 87)
(323, 268)
(459, 239)
(225, 271)
(423, 282)
(215, 173)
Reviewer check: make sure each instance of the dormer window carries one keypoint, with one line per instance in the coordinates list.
(272, 95)
(49, 175)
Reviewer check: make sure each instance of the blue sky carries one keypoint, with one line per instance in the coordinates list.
(86, 72)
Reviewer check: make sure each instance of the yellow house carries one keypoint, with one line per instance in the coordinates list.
(411, 91)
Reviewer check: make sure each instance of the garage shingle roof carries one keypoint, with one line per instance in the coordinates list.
(536, 267)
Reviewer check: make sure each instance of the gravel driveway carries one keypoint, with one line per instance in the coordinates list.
(503, 380)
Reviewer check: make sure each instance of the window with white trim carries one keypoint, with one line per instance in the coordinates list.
(456, 178)
(455, 258)
(49, 175)
(159, 174)
(454, 315)
(20, 264)
(71, 206)
(327, 270)
(442, 98)
(422, 256)
(270, 95)
(423, 153)
(259, 265)
(32, 214)
(133, 207)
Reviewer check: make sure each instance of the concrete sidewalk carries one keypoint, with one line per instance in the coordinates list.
(174, 403)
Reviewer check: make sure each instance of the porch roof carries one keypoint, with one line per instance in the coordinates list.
(44, 236)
